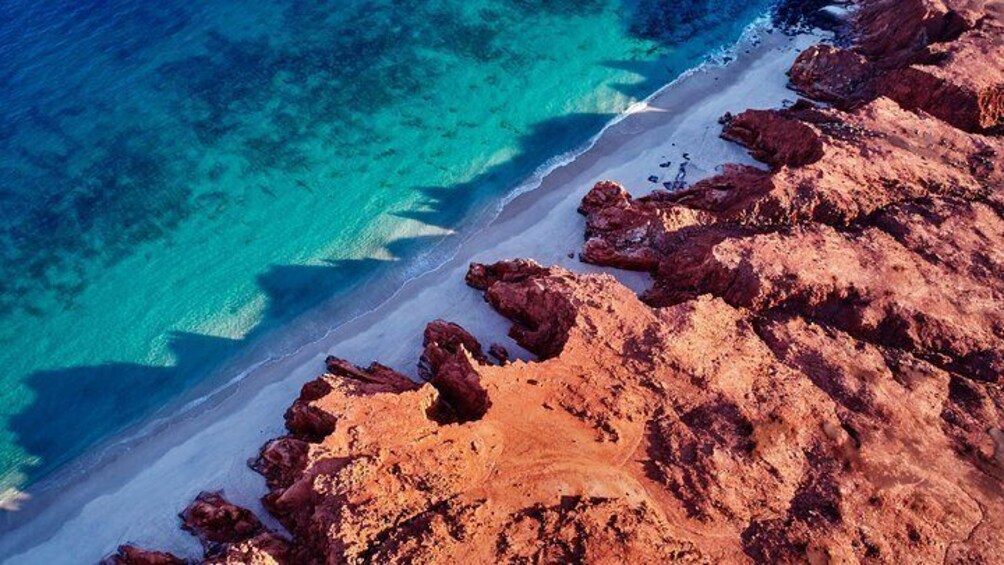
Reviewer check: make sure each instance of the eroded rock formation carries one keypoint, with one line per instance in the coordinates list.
(814, 376)
(943, 58)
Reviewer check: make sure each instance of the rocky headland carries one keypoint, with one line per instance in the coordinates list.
(813, 376)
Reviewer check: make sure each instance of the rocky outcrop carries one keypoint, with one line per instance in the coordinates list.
(499, 353)
(447, 337)
(897, 31)
(281, 460)
(942, 58)
(215, 521)
(866, 284)
(231, 534)
(873, 158)
(375, 378)
(449, 364)
(949, 86)
(305, 421)
(131, 555)
(776, 139)
(483, 276)
(814, 376)
(833, 75)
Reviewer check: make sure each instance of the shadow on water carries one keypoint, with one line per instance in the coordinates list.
(447, 206)
(75, 407)
(669, 24)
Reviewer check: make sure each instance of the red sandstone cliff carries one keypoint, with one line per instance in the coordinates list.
(815, 374)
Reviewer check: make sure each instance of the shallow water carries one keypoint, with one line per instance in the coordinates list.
(178, 178)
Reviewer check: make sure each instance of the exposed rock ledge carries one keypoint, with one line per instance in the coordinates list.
(815, 374)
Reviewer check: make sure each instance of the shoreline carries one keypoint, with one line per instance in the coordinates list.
(628, 150)
(301, 330)
(313, 325)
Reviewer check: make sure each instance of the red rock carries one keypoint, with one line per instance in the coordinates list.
(947, 61)
(624, 232)
(604, 195)
(282, 460)
(917, 169)
(231, 534)
(451, 337)
(541, 319)
(833, 75)
(641, 441)
(305, 421)
(263, 549)
(482, 276)
(961, 82)
(897, 31)
(131, 555)
(374, 378)
(865, 284)
(941, 232)
(500, 353)
(909, 157)
(215, 521)
(449, 365)
(775, 139)
(459, 384)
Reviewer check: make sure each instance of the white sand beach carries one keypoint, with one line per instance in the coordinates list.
(135, 496)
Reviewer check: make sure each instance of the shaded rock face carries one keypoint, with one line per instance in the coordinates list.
(942, 58)
(282, 460)
(814, 376)
(833, 75)
(303, 419)
(499, 353)
(895, 31)
(215, 521)
(776, 139)
(229, 534)
(232, 534)
(130, 555)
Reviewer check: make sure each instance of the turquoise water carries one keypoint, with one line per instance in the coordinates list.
(178, 178)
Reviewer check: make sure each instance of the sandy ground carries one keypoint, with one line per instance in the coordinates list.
(135, 496)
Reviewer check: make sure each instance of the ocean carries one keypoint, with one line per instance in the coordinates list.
(179, 180)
